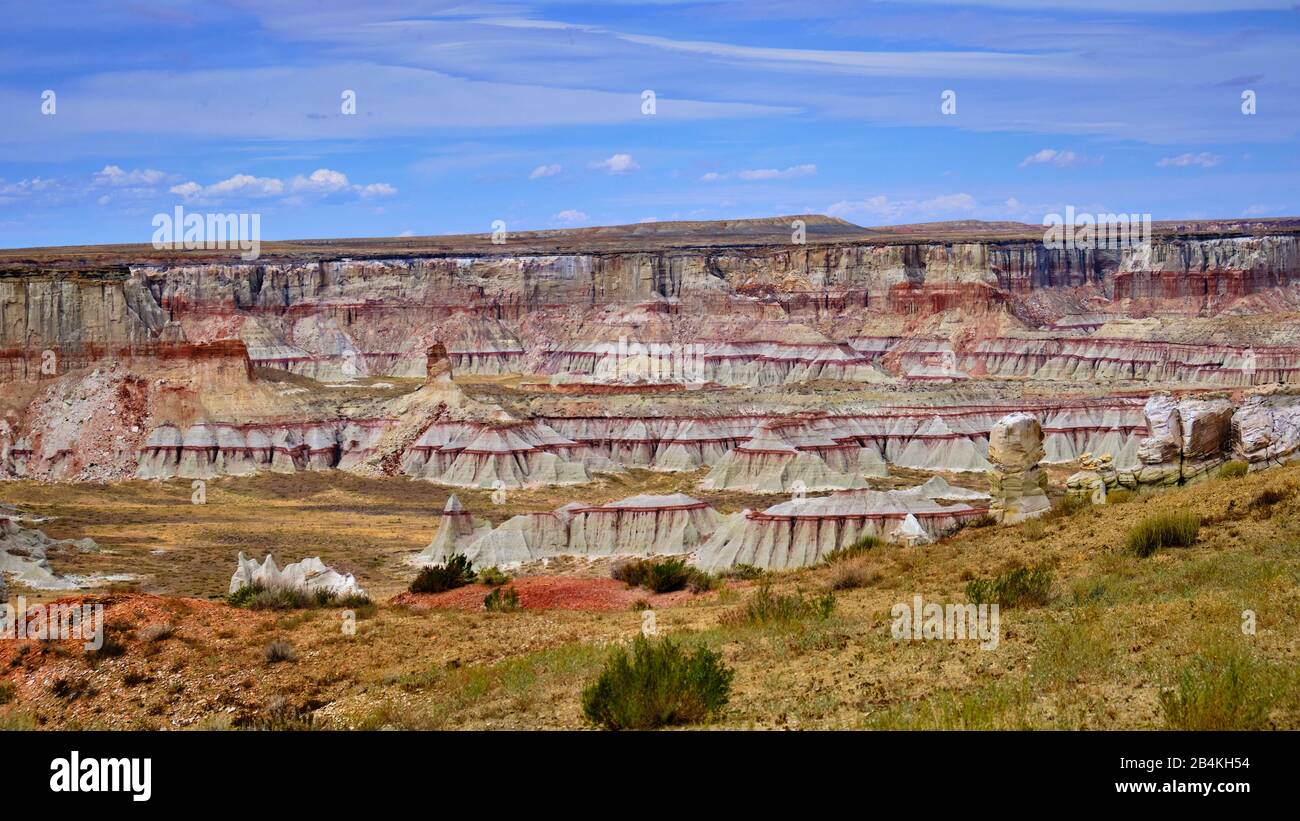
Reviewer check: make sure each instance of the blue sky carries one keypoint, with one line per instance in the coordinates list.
(531, 113)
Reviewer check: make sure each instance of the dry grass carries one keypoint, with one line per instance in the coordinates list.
(1118, 633)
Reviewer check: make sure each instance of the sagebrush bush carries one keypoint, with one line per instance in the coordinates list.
(764, 607)
(744, 572)
(257, 597)
(663, 575)
(1234, 469)
(1119, 496)
(1171, 529)
(1223, 691)
(492, 577)
(502, 600)
(278, 651)
(1033, 529)
(658, 685)
(1020, 587)
(8, 692)
(864, 544)
(457, 571)
(852, 575)
(1269, 497)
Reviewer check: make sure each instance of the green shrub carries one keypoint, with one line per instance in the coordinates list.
(1225, 691)
(863, 545)
(439, 578)
(502, 600)
(744, 572)
(1234, 469)
(658, 686)
(8, 692)
(702, 582)
(1173, 529)
(663, 575)
(666, 575)
(493, 577)
(257, 597)
(1021, 587)
(765, 608)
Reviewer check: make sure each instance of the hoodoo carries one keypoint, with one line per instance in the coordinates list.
(1016, 483)
(308, 576)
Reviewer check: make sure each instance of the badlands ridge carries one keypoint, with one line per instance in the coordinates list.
(812, 373)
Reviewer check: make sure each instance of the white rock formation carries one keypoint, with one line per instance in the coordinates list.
(769, 462)
(802, 532)
(23, 554)
(637, 526)
(309, 575)
(1016, 483)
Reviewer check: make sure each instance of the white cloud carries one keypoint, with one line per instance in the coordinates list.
(1204, 159)
(570, 216)
(617, 164)
(1052, 156)
(545, 171)
(114, 175)
(321, 183)
(759, 174)
(883, 208)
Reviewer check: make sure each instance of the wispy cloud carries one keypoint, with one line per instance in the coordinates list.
(1204, 160)
(542, 171)
(1057, 157)
(759, 174)
(570, 216)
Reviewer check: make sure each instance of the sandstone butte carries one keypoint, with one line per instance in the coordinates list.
(723, 350)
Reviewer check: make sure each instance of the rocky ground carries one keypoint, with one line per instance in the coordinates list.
(1116, 632)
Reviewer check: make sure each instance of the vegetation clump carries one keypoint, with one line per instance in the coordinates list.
(502, 600)
(457, 571)
(1019, 587)
(657, 685)
(1172, 529)
(765, 607)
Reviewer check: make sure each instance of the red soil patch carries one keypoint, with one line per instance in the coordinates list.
(550, 593)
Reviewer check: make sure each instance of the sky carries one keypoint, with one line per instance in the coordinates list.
(390, 118)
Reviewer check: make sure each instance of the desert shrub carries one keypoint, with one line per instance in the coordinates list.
(1119, 496)
(639, 605)
(852, 575)
(666, 575)
(493, 577)
(1033, 529)
(8, 692)
(662, 575)
(71, 688)
(631, 572)
(744, 572)
(439, 578)
(257, 597)
(986, 520)
(863, 545)
(1020, 587)
(657, 686)
(278, 651)
(133, 677)
(1225, 691)
(1234, 469)
(502, 600)
(701, 582)
(1172, 529)
(112, 646)
(156, 632)
(765, 608)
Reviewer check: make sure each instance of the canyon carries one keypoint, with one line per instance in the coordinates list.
(763, 367)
